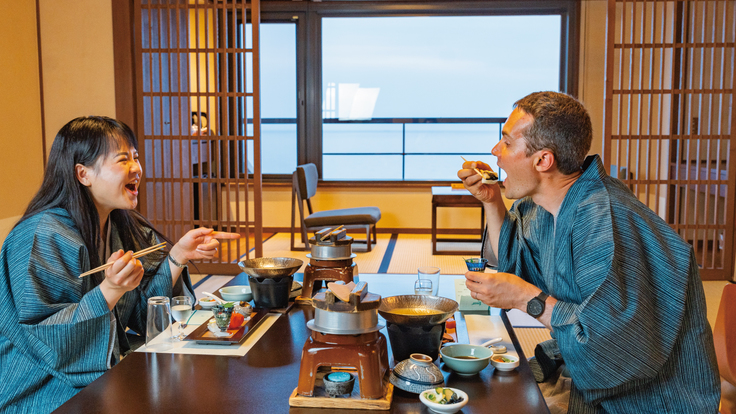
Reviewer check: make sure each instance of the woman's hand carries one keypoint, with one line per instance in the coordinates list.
(123, 276)
(486, 193)
(200, 243)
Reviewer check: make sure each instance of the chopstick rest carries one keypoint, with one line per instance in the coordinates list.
(136, 255)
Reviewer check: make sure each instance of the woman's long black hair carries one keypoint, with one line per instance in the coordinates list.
(84, 141)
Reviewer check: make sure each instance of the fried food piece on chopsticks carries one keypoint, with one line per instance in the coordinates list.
(488, 176)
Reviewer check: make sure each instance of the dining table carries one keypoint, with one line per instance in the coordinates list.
(262, 380)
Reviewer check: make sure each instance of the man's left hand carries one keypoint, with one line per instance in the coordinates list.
(500, 290)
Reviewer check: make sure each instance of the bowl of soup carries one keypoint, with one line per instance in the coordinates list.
(466, 359)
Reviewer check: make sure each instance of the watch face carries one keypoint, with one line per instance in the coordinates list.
(535, 307)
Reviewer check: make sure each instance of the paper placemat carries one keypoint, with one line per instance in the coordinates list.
(482, 328)
(465, 301)
(519, 319)
(162, 344)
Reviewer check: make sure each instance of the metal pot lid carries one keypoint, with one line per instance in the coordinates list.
(352, 256)
(322, 329)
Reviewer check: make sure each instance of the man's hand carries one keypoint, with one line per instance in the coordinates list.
(500, 290)
(486, 193)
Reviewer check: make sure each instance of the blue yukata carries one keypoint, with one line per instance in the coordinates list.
(57, 334)
(631, 318)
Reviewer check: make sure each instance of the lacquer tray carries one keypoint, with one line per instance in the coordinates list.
(202, 334)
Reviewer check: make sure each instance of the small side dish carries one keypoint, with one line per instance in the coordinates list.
(207, 303)
(505, 362)
(444, 400)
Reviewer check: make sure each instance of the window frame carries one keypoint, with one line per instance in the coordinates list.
(309, 56)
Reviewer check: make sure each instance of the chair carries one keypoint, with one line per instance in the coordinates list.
(304, 187)
(724, 336)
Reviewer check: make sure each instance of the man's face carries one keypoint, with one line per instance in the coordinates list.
(521, 179)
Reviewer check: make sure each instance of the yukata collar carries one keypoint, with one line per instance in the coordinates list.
(593, 171)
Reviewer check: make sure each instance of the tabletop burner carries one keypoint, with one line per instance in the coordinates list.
(345, 334)
(330, 260)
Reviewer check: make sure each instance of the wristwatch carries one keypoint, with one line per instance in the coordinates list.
(535, 307)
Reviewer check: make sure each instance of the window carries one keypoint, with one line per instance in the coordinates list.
(404, 97)
(391, 94)
(278, 98)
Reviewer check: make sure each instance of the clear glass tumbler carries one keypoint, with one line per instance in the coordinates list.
(433, 274)
(158, 322)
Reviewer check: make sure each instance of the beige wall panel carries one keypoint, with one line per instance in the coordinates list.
(21, 158)
(593, 65)
(78, 66)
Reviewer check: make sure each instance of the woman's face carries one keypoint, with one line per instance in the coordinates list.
(114, 180)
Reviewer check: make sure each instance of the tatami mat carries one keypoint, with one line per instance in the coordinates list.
(368, 262)
(413, 251)
(530, 337)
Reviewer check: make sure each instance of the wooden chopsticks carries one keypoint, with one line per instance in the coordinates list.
(476, 170)
(136, 255)
(337, 229)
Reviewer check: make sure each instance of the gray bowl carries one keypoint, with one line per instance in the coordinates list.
(270, 267)
(417, 374)
(442, 309)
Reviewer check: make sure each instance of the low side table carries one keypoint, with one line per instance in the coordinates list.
(449, 197)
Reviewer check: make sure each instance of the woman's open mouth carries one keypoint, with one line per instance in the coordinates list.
(132, 188)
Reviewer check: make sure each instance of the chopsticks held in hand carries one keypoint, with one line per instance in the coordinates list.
(136, 255)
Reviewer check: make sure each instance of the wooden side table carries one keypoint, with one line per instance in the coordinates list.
(448, 197)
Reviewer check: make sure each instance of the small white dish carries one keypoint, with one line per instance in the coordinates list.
(444, 408)
(499, 362)
(207, 303)
(212, 327)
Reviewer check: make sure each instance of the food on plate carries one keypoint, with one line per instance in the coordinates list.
(488, 176)
(236, 320)
(499, 358)
(442, 395)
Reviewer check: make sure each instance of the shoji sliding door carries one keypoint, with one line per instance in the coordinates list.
(197, 110)
(669, 127)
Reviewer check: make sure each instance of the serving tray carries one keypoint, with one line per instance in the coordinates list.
(202, 334)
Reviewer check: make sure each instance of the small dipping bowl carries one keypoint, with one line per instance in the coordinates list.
(466, 359)
(444, 408)
(476, 264)
(207, 303)
(236, 293)
(338, 383)
(502, 365)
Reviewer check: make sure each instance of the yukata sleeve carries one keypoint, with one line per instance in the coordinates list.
(632, 304)
(63, 324)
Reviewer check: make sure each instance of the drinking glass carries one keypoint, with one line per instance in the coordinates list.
(181, 310)
(158, 321)
(423, 287)
(433, 274)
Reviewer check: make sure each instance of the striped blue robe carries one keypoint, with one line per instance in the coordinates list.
(56, 332)
(631, 318)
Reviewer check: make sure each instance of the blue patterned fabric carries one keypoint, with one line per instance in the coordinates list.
(631, 318)
(56, 332)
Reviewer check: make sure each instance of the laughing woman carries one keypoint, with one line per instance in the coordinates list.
(59, 332)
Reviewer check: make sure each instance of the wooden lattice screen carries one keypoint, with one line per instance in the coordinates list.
(669, 124)
(197, 113)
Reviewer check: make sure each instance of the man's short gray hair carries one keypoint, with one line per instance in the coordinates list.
(560, 124)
